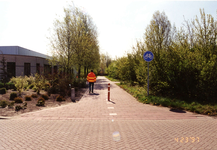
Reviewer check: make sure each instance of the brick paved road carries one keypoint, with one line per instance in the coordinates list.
(94, 123)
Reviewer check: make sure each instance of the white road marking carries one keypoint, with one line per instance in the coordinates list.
(110, 107)
(112, 114)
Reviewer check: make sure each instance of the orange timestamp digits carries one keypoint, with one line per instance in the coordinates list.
(187, 139)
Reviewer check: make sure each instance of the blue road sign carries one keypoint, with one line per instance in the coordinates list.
(148, 56)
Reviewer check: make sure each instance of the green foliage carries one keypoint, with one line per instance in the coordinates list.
(81, 83)
(18, 100)
(45, 96)
(10, 85)
(34, 95)
(11, 104)
(3, 90)
(40, 102)
(60, 98)
(20, 83)
(47, 86)
(53, 90)
(141, 94)
(31, 86)
(74, 43)
(1, 85)
(30, 80)
(28, 98)
(18, 107)
(13, 95)
(39, 83)
(184, 64)
(3, 103)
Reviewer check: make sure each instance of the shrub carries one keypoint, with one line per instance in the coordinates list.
(39, 82)
(3, 103)
(13, 95)
(20, 82)
(18, 107)
(40, 102)
(2, 90)
(30, 79)
(34, 88)
(45, 96)
(18, 100)
(60, 98)
(11, 104)
(34, 95)
(1, 85)
(24, 105)
(28, 98)
(52, 90)
(10, 85)
(31, 86)
(46, 86)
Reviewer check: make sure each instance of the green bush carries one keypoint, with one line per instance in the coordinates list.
(39, 83)
(60, 98)
(13, 95)
(40, 102)
(53, 90)
(34, 95)
(35, 89)
(1, 85)
(45, 96)
(28, 98)
(47, 86)
(3, 90)
(11, 104)
(18, 107)
(20, 83)
(3, 103)
(31, 86)
(10, 85)
(18, 100)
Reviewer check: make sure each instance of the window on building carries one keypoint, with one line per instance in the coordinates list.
(38, 68)
(47, 69)
(27, 69)
(11, 69)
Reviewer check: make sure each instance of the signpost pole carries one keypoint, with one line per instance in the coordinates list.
(148, 79)
(148, 56)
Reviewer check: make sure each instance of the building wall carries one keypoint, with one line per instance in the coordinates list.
(20, 60)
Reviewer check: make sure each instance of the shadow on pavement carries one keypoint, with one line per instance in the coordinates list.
(100, 86)
(112, 102)
(177, 110)
(93, 93)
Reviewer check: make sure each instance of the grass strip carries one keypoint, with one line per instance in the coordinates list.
(140, 93)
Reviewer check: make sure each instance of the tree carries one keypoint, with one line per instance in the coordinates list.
(74, 42)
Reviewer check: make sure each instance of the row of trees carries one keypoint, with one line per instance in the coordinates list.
(185, 60)
(74, 43)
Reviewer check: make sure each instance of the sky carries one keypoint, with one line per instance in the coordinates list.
(27, 23)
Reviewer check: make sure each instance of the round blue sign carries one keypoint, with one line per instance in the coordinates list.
(148, 56)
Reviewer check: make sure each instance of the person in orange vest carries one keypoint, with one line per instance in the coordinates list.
(91, 78)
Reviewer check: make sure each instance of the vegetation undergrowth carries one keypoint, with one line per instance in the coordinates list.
(112, 79)
(140, 93)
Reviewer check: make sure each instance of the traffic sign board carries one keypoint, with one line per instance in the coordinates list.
(148, 56)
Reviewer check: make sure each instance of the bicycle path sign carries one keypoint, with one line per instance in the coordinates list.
(148, 56)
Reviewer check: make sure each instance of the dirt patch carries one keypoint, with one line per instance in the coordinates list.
(31, 105)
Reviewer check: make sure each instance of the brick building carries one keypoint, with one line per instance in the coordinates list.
(21, 61)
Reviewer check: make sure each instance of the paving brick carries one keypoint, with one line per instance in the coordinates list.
(88, 125)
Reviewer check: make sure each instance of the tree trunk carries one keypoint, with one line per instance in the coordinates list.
(85, 71)
(79, 71)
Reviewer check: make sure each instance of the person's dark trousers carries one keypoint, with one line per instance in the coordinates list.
(91, 84)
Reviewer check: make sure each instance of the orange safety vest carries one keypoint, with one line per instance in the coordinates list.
(91, 77)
